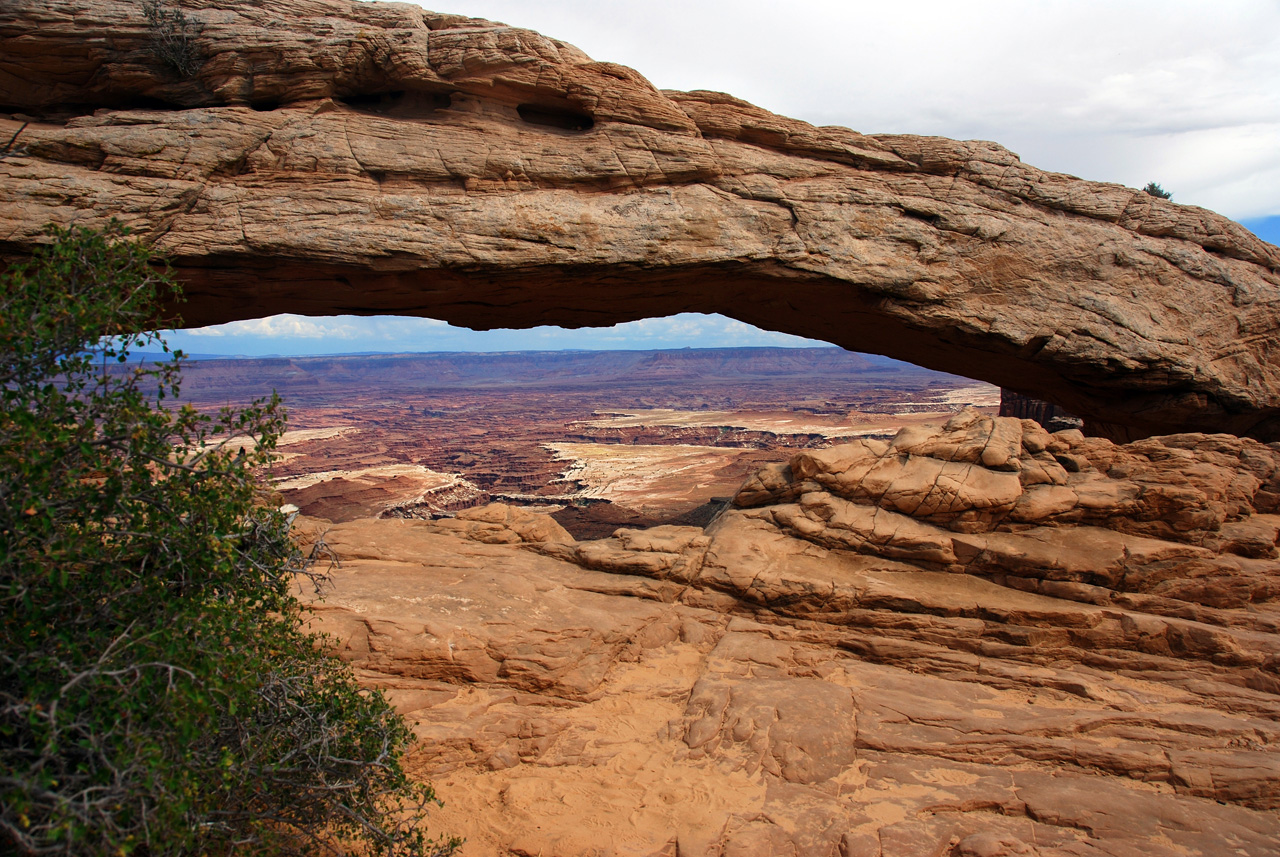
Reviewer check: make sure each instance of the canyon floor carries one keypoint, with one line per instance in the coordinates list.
(703, 615)
(599, 439)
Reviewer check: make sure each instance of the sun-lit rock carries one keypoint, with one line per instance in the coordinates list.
(818, 673)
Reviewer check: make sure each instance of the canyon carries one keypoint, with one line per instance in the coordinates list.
(599, 439)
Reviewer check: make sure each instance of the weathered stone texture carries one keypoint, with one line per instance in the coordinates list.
(333, 157)
(885, 650)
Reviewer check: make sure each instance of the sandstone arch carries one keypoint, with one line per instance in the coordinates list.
(378, 158)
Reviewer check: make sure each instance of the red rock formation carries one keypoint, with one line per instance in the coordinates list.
(1047, 414)
(983, 640)
(333, 157)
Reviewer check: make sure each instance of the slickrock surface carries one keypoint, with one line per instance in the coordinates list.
(335, 157)
(975, 641)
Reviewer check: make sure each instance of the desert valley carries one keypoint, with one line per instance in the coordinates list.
(598, 439)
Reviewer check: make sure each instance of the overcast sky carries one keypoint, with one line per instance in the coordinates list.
(1186, 94)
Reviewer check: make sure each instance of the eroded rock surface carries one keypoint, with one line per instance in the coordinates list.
(336, 157)
(885, 650)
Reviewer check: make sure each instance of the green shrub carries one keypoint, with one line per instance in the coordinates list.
(173, 37)
(1153, 189)
(158, 692)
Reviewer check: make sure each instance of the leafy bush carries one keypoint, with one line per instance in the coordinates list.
(173, 37)
(158, 692)
(1153, 189)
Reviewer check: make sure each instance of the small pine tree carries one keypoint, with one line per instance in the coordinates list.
(1153, 189)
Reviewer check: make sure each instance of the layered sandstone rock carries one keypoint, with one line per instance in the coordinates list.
(980, 640)
(329, 156)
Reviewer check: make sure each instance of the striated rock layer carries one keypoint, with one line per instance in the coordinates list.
(976, 641)
(336, 157)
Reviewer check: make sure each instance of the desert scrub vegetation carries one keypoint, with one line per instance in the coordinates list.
(1153, 189)
(173, 37)
(159, 693)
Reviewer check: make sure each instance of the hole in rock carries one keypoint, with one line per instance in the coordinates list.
(66, 112)
(657, 421)
(399, 103)
(373, 101)
(931, 219)
(147, 102)
(555, 117)
(1265, 228)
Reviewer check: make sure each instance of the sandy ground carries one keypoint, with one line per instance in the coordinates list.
(424, 477)
(980, 395)
(645, 477)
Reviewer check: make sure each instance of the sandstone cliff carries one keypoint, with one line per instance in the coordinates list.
(327, 157)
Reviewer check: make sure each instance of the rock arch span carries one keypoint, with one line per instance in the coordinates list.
(377, 158)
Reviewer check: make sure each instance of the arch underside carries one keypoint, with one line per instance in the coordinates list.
(1115, 404)
(380, 159)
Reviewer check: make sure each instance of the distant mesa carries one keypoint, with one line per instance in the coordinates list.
(358, 373)
(331, 157)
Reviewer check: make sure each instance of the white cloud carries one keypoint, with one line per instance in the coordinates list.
(686, 326)
(395, 326)
(734, 332)
(347, 334)
(285, 326)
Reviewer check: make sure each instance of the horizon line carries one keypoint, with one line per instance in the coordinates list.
(206, 356)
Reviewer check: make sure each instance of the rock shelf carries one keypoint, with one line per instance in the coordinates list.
(882, 650)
